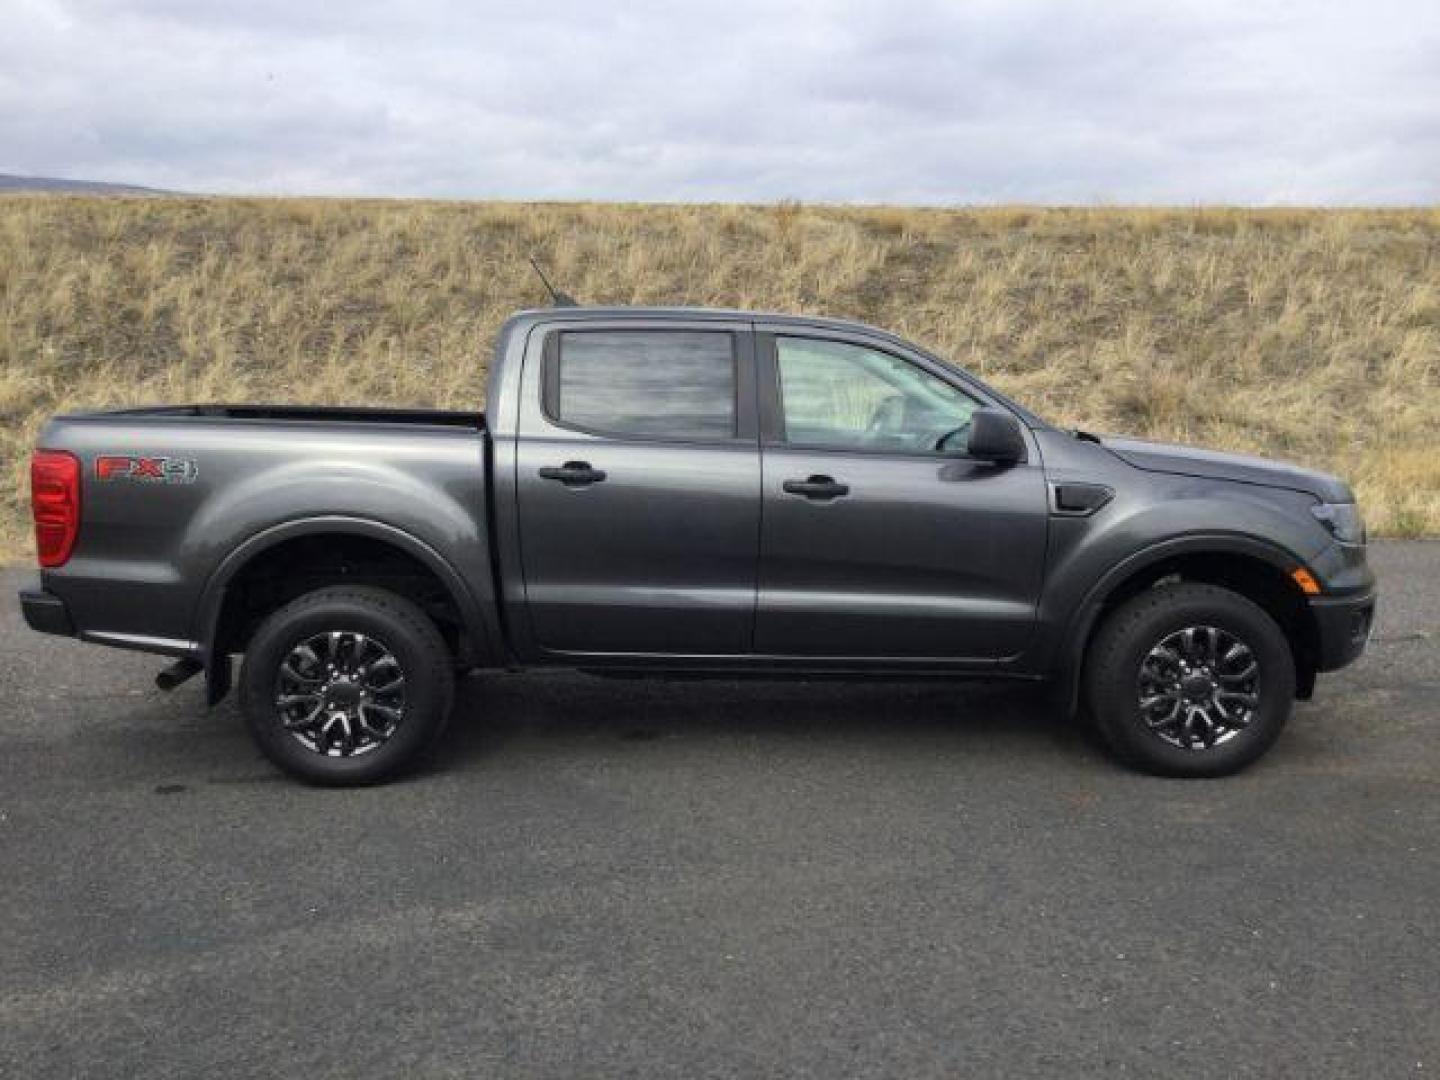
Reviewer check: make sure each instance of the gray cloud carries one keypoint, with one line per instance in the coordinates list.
(906, 101)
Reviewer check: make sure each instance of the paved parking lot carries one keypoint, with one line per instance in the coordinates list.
(709, 879)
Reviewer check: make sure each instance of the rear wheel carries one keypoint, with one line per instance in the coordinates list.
(1190, 680)
(346, 685)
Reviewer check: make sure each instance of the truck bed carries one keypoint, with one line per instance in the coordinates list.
(194, 482)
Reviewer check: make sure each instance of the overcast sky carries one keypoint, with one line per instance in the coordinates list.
(1153, 101)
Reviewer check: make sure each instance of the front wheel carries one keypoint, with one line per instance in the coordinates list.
(346, 685)
(1190, 680)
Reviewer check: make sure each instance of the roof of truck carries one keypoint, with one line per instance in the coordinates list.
(718, 314)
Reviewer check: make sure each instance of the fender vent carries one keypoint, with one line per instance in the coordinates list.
(1079, 500)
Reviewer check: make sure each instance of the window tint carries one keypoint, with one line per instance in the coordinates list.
(660, 383)
(847, 396)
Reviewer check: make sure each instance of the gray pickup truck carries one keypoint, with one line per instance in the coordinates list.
(693, 492)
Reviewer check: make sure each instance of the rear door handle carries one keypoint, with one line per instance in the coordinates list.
(573, 473)
(817, 487)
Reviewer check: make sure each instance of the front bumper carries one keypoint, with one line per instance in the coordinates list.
(46, 612)
(1343, 625)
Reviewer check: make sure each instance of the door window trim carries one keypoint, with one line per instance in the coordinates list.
(772, 402)
(742, 359)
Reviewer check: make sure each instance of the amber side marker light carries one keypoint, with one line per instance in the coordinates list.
(1306, 580)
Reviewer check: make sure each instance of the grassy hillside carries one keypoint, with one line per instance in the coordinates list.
(1312, 335)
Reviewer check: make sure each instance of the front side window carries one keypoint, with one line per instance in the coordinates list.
(676, 384)
(841, 396)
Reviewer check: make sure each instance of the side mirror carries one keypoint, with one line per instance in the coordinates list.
(995, 436)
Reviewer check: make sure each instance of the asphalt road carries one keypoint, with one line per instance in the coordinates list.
(717, 879)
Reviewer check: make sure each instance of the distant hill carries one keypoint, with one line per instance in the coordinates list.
(1308, 334)
(57, 186)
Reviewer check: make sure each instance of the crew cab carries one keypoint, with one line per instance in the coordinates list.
(683, 491)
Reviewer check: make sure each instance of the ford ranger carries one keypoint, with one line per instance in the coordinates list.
(693, 492)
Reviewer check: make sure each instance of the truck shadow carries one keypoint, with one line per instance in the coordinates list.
(493, 711)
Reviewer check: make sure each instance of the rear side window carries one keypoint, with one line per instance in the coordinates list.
(672, 384)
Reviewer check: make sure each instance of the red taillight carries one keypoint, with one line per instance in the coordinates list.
(55, 502)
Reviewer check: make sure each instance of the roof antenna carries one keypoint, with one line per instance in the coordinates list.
(560, 299)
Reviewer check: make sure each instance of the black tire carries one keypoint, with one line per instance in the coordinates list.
(1147, 739)
(413, 715)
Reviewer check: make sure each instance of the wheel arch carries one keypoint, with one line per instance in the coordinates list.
(1256, 569)
(215, 614)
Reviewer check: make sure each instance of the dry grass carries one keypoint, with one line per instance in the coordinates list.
(1312, 335)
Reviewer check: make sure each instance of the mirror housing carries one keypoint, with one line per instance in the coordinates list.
(995, 436)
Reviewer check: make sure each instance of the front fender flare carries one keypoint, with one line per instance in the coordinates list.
(1070, 656)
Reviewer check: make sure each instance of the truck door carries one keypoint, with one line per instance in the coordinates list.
(638, 488)
(880, 538)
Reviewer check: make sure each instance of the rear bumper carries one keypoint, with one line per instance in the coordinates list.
(46, 612)
(1343, 625)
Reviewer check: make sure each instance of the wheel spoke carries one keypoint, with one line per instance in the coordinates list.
(393, 684)
(1167, 718)
(347, 736)
(1204, 727)
(290, 672)
(1231, 721)
(381, 732)
(306, 721)
(1187, 729)
(1188, 648)
(1247, 700)
(390, 714)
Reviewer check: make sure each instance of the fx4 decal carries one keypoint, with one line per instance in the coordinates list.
(154, 470)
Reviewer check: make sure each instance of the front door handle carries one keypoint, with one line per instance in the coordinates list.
(573, 473)
(817, 487)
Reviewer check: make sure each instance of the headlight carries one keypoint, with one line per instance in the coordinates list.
(1343, 520)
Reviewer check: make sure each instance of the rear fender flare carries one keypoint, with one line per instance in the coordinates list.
(478, 617)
